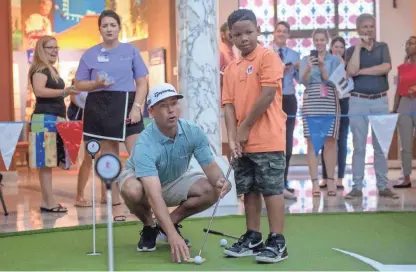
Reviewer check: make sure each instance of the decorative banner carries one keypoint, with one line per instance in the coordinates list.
(383, 127)
(71, 134)
(9, 135)
(342, 84)
(318, 130)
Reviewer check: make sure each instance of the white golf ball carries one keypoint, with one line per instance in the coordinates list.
(198, 260)
(223, 242)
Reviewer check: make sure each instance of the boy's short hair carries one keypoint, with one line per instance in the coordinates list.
(241, 15)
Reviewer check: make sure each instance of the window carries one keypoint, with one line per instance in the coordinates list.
(338, 16)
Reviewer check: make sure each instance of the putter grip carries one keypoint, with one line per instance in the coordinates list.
(214, 232)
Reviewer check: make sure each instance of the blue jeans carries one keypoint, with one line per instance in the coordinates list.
(342, 141)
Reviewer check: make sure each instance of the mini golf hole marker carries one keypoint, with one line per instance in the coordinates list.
(108, 169)
(93, 148)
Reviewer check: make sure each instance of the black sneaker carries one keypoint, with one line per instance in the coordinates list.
(275, 250)
(249, 244)
(148, 237)
(163, 237)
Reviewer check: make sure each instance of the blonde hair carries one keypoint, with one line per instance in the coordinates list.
(40, 61)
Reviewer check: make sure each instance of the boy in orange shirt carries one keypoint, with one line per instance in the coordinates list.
(256, 128)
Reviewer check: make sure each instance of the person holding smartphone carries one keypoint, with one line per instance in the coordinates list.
(338, 49)
(291, 60)
(320, 98)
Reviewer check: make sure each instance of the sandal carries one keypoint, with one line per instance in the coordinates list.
(331, 187)
(316, 192)
(119, 218)
(57, 209)
(82, 204)
(114, 205)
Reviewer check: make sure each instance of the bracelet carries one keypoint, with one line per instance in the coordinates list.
(63, 93)
(138, 106)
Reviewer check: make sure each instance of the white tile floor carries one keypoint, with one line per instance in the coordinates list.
(22, 195)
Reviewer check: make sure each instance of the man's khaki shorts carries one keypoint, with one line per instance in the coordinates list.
(175, 192)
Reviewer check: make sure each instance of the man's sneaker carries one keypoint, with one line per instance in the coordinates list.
(249, 244)
(275, 250)
(354, 193)
(163, 237)
(387, 193)
(148, 237)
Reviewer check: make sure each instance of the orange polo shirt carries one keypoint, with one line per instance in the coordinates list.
(243, 81)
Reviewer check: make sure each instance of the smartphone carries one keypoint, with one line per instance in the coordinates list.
(314, 53)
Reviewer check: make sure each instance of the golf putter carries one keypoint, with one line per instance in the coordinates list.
(220, 234)
(215, 210)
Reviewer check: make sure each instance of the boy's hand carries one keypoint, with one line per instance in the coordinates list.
(242, 135)
(235, 149)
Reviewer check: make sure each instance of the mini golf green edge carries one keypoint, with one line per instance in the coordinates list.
(386, 237)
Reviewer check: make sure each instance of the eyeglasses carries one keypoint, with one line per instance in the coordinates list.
(52, 47)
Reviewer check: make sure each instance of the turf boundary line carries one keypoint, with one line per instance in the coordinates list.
(131, 223)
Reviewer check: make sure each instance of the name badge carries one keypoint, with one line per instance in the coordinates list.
(324, 90)
(103, 58)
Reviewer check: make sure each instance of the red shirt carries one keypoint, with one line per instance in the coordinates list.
(407, 78)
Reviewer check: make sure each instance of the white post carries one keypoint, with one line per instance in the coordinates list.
(199, 80)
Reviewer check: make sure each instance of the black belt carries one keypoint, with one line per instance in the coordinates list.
(369, 96)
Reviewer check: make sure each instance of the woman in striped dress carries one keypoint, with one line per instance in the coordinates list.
(320, 98)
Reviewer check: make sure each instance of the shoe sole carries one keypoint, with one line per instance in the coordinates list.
(269, 260)
(146, 249)
(164, 238)
(248, 253)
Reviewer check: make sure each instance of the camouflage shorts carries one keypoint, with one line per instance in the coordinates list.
(260, 172)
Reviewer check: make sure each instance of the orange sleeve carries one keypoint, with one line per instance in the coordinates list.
(222, 62)
(271, 71)
(227, 88)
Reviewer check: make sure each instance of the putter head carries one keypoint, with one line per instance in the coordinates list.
(191, 260)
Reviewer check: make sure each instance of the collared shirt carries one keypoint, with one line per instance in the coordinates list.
(367, 84)
(292, 56)
(243, 82)
(158, 155)
(315, 75)
(226, 55)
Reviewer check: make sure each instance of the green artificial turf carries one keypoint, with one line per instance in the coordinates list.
(385, 237)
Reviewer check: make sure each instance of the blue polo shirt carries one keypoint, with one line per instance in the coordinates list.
(158, 155)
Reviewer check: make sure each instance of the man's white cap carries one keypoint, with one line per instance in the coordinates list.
(161, 91)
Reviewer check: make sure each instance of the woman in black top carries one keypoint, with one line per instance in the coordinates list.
(46, 146)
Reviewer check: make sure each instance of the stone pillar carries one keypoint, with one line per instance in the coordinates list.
(198, 66)
(199, 81)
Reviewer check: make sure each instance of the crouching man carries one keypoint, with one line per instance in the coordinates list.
(156, 175)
